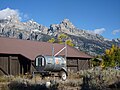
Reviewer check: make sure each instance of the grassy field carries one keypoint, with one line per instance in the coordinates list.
(93, 79)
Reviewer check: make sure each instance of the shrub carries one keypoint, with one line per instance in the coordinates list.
(27, 84)
(6, 78)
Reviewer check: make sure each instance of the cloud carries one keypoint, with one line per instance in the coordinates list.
(5, 13)
(24, 16)
(97, 31)
(116, 31)
(9, 12)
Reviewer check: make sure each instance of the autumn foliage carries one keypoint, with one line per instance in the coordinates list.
(111, 57)
(62, 39)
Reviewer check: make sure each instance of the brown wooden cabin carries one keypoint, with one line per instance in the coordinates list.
(17, 56)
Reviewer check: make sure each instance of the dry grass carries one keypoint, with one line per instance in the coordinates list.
(6, 78)
(94, 79)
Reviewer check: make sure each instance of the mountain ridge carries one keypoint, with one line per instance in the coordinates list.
(93, 44)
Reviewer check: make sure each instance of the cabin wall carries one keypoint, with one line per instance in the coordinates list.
(14, 64)
(73, 64)
(77, 64)
(32, 67)
(4, 65)
(18, 64)
(25, 65)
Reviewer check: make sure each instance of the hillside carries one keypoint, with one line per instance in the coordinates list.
(88, 42)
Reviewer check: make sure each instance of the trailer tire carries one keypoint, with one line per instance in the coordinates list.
(63, 75)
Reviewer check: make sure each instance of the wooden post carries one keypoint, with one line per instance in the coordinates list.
(9, 67)
(78, 65)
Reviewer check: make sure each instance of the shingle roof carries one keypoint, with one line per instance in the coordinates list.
(31, 49)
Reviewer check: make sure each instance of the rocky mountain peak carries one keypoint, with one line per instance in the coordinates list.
(67, 23)
(93, 44)
(9, 19)
(65, 26)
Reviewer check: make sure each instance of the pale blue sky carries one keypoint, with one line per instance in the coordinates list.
(103, 15)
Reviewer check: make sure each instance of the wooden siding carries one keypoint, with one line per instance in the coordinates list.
(14, 64)
(4, 65)
(72, 62)
(17, 64)
(32, 67)
(77, 64)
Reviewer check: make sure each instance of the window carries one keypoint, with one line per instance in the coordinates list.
(40, 61)
(36, 62)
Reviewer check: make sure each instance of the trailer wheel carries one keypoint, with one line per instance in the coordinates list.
(63, 75)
